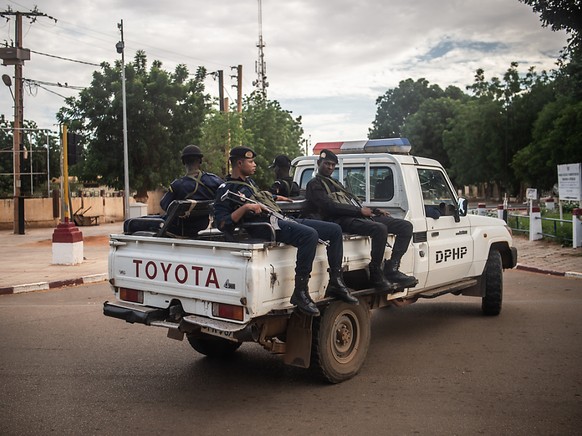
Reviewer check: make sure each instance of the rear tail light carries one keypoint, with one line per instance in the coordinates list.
(132, 295)
(228, 311)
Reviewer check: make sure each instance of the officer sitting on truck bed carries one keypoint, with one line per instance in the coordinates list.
(195, 185)
(284, 184)
(303, 233)
(328, 199)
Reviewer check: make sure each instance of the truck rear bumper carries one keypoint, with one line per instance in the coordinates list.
(133, 313)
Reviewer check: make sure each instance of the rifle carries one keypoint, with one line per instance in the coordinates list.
(241, 199)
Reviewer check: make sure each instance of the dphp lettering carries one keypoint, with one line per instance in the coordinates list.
(450, 254)
(195, 275)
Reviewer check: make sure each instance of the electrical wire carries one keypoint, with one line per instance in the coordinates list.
(65, 59)
(60, 85)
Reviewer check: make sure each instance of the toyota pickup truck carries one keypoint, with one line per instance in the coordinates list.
(221, 290)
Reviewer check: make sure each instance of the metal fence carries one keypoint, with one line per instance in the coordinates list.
(555, 228)
(551, 227)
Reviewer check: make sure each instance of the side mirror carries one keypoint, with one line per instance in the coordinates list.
(462, 207)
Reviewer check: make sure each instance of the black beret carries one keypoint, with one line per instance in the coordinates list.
(244, 152)
(326, 154)
(281, 161)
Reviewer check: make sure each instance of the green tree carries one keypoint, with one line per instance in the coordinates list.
(559, 14)
(271, 130)
(394, 107)
(508, 108)
(474, 143)
(564, 15)
(556, 140)
(425, 128)
(165, 112)
(221, 131)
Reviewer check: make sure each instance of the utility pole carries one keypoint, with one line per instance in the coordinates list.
(221, 90)
(260, 66)
(238, 87)
(16, 56)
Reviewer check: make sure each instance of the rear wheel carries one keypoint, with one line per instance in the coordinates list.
(213, 347)
(341, 337)
(493, 276)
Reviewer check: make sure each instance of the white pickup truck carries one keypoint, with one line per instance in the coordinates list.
(222, 290)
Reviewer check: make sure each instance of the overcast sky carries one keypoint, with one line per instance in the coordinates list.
(326, 60)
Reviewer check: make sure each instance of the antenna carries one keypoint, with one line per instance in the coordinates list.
(260, 66)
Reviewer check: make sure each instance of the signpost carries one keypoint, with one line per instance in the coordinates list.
(570, 182)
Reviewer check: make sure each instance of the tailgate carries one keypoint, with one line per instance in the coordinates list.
(197, 273)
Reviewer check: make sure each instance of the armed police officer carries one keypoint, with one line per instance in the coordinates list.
(328, 199)
(195, 185)
(284, 184)
(303, 234)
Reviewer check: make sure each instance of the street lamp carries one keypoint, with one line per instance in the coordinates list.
(120, 46)
(8, 82)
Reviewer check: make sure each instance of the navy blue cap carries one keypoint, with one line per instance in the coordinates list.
(243, 152)
(326, 154)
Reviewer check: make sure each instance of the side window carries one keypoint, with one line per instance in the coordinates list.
(436, 192)
(381, 183)
(355, 181)
(306, 176)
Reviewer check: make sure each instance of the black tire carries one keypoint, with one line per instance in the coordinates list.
(213, 347)
(493, 276)
(341, 337)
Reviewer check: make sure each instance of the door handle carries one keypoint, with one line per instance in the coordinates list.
(434, 234)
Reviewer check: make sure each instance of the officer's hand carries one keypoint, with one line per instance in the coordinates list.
(282, 198)
(380, 212)
(366, 211)
(253, 208)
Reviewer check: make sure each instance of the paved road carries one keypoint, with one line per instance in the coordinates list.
(434, 368)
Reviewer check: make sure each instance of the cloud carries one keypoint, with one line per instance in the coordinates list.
(326, 61)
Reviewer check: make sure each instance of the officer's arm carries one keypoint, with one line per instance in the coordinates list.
(167, 198)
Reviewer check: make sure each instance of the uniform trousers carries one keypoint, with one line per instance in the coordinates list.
(304, 234)
(378, 228)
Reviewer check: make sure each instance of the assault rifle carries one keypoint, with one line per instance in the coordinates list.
(241, 199)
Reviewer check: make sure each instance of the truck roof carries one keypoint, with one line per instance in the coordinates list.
(372, 157)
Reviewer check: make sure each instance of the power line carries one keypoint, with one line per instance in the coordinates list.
(65, 59)
(60, 85)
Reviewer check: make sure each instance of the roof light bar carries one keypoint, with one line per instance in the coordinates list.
(385, 145)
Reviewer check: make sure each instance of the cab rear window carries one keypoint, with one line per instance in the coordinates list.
(381, 181)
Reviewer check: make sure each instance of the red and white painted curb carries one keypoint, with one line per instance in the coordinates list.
(534, 269)
(44, 286)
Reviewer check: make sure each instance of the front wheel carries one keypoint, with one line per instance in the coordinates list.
(493, 276)
(213, 347)
(341, 337)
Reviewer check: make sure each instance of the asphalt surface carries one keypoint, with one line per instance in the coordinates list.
(27, 259)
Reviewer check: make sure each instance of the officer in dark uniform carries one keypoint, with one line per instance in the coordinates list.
(195, 185)
(328, 199)
(303, 233)
(284, 184)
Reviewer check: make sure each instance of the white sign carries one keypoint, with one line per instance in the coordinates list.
(531, 194)
(570, 181)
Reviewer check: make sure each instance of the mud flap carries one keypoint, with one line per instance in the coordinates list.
(298, 345)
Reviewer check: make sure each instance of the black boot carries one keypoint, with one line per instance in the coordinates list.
(377, 279)
(337, 288)
(399, 278)
(301, 298)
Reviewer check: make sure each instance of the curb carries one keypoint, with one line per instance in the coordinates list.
(45, 286)
(571, 274)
